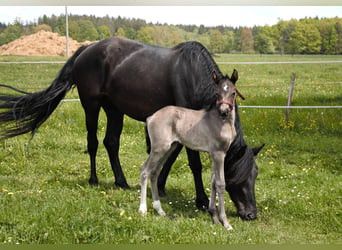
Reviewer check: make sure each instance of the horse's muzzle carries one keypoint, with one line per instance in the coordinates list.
(248, 215)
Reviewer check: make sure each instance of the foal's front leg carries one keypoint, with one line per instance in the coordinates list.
(218, 186)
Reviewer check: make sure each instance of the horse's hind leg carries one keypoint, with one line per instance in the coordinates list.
(112, 144)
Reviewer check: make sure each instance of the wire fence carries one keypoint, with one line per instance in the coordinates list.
(258, 106)
(242, 106)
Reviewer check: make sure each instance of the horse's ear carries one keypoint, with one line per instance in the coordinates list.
(256, 150)
(214, 76)
(234, 77)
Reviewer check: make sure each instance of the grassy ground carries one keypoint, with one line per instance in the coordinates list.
(45, 197)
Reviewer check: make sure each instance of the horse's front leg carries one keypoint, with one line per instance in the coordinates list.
(219, 186)
(196, 168)
(166, 170)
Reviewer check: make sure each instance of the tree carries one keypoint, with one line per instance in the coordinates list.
(87, 31)
(217, 40)
(329, 37)
(130, 33)
(312, 39)
(104, 32)
(296, 41)
(144, 35)
(40, 27)
(338, 28)
(229, 38)
(247, 40)
(263, 44)
(11, 33)
(120, 32)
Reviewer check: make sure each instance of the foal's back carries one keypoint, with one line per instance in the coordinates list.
(199, 130)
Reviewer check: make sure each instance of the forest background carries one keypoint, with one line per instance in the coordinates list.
(303, 36)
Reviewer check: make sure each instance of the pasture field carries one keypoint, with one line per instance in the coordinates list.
(45, 196)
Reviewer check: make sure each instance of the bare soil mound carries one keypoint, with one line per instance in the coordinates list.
(42, 43)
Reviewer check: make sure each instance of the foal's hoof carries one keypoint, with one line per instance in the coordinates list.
(122, 185)
(229, 227)
(143, 211)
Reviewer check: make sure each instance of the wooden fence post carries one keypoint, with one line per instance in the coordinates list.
(289, 99)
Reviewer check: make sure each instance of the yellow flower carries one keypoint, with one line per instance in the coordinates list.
(122, 212)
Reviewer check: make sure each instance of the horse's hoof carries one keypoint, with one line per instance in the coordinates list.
(229, 227)
(202, 204)
(93, 182)
(161, 192)
(122, 185)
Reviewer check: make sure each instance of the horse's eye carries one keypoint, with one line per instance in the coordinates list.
(234, 94)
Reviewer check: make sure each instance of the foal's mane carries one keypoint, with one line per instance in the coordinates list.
(202, 65)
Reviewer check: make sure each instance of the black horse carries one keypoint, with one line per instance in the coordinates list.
(128, 77)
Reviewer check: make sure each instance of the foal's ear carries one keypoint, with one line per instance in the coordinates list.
(234, 77)
(214, 76)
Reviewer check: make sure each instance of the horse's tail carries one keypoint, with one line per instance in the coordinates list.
(25, 113)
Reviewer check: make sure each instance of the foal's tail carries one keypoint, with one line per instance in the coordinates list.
(25, 113)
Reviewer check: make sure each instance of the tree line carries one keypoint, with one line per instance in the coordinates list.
(304, 36)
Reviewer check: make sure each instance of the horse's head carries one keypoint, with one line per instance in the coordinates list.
(242, 193)
(226, 93)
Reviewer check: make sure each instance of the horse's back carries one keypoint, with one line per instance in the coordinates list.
(133, 77)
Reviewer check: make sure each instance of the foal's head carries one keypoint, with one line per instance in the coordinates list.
(226, 93)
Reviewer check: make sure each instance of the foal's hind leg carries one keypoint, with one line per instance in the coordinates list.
(112, 144)
(150, 170)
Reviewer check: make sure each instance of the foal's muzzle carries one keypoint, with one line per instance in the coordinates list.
(224, 107)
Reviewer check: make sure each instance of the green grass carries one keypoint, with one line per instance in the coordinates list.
(45, 197)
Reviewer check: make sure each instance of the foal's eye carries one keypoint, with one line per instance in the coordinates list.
(234, 94)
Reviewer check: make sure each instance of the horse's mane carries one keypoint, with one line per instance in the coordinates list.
(240, 158)
(202, 65)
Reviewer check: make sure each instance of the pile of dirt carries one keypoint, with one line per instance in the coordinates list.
(42, 43)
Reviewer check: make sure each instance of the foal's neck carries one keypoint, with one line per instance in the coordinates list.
(229, 119)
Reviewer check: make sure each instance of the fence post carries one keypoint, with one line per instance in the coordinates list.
(289, 98)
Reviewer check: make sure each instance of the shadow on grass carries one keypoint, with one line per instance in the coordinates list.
(176, 203)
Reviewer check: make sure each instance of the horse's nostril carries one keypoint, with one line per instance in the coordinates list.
(250, 216)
